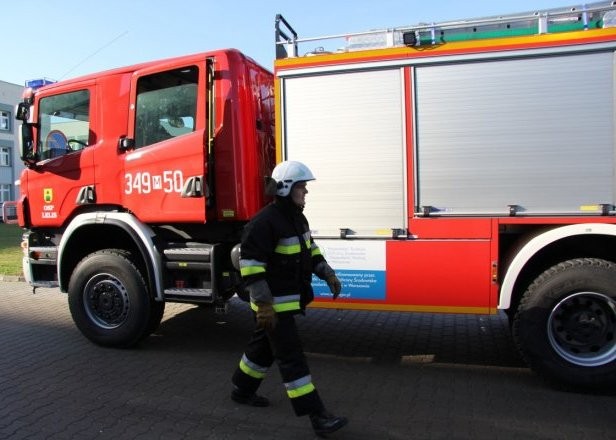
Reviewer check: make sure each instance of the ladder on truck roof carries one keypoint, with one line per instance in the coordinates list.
(572, 18)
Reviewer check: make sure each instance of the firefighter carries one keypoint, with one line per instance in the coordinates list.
(277, 259)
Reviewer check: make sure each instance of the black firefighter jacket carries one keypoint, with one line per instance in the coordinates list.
(278, 257)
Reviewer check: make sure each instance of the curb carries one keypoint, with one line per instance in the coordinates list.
(13, 278)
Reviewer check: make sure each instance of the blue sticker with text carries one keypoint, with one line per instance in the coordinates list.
(356, 284)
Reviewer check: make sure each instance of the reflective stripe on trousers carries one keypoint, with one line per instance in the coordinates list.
(252, 369)
(299, 387)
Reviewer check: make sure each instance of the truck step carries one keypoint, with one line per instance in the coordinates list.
(188, 265)
(190, 251)
(189, 293)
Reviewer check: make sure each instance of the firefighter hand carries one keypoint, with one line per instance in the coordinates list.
(266, 316)
(334, 285)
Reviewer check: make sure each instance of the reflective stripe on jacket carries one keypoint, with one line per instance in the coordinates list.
(277, 246)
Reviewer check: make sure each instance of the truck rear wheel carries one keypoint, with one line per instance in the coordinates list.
(109, 300)
(565, 325)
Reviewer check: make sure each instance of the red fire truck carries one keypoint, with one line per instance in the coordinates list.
(462, 167)
(138, 183)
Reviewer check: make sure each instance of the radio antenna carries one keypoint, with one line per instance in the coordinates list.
(94, 53)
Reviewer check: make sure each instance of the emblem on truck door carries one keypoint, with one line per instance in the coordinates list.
(48, 195)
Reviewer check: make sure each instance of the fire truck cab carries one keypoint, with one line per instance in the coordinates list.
(138, 183)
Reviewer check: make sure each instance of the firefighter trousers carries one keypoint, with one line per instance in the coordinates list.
(283, 345)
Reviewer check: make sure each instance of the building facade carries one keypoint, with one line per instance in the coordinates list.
(10, 163)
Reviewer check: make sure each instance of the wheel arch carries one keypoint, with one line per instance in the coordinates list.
(90, 232)
(550, 247)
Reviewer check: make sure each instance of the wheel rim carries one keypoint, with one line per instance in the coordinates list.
(581, 329)
(106, 301)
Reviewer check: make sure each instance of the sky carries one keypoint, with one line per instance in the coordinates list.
(64, 39)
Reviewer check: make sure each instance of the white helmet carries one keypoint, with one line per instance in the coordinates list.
(288, 173)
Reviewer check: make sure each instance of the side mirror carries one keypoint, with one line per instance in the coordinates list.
(26, 145)
(21, 111)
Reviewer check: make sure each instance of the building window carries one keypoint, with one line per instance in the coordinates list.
(5, 157)
(5, 192)
(5, 121)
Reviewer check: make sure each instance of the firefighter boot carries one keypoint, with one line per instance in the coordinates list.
(324, 422)
(248, 399)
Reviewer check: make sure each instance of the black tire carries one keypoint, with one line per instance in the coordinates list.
(109, 300)
(565, 325)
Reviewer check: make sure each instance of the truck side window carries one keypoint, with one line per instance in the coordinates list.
(64, 124)
(166, 105)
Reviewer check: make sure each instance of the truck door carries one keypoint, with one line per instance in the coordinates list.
(64, 172)
(164, 173)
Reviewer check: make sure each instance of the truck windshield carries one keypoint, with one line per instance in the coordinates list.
(64, 123)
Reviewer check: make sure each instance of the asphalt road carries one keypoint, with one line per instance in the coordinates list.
(394, 375)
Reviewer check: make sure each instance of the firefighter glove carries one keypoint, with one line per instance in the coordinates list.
(324, 271)
(266, 316)
(334, 285)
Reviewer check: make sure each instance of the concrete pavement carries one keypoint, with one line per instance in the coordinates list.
(394, 375)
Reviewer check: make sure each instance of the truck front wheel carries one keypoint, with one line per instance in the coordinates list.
(109, 300)
(565, 325)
